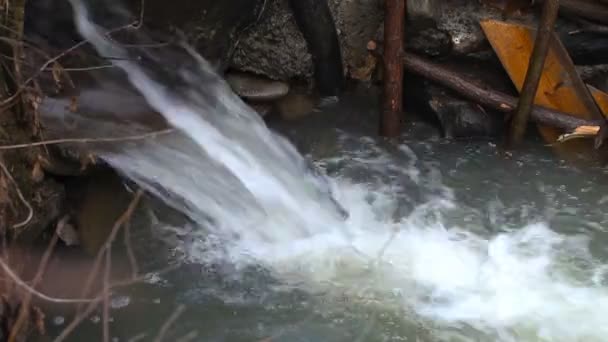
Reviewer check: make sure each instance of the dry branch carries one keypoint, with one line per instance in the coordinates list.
(106, 296)
(89, 140)
(133, 25)
(534, 72)
(20, 282)
(30, 214)
(488, 97)
(25, 303)
(394, 23)
(165, 327)
(108, 244)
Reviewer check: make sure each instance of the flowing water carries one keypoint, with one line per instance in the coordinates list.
(442, 241)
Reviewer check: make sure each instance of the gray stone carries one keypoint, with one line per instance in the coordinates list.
(276, 48)
(256, 88)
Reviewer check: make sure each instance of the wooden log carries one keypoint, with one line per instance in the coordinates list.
(534, 72)
(589, 9)
(488, 97)
(394, 24)
(316, 23)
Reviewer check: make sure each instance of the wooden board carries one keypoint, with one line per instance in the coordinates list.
(600, 98)
(559, 87)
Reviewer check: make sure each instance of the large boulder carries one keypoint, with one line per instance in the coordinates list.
(275, 46)
(212, 26)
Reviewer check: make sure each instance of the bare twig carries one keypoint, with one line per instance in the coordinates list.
(30, 214)
(129, 247)
(76, 321)
(133, 25)
(89, 140)
(39, 71)
(174, 316)
(188, 337)
(535, 70)
(25, 303)
(142, 12)
(486, 96)
(142, 277)
(24, 285)
(89, 68)
(119, 223)
(138, 337)
(106, 296)
(89, 281)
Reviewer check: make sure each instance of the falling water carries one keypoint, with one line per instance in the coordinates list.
(249, 191)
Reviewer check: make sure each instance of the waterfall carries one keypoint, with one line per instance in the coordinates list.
(249, 187)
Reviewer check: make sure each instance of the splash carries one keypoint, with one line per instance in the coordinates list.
(250, 192)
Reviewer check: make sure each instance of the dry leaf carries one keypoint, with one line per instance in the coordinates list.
(86, 160)
(579, 133)
(39, 320)
(56, 71)
(73, 104)
(37, 172)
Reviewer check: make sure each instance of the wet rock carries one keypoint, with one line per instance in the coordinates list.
(28, 205)
(276, 47)
(315, 21)
(461, 22)
(460, 118)
(66, 232)
(296, 105)
(596, 75)
(213, 27)
(584, 47)
(420, 10)
(97, 201)
(262, 108)
(256, 88)
(429, 41)
(453, 115)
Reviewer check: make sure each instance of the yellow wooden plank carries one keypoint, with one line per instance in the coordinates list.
(600, 98)
(513, 44)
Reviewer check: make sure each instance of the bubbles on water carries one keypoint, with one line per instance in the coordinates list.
(58, 320)
(120, 302)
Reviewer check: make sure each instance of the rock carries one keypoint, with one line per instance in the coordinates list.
(66, 232)
(98, 200)
(316, 22)
(262, 108)
(454, 116)
(429, 41)
(295, 105)
(424, 10)
(256, 88)
(460, 118)
(461, 22)
(596, 75)
(213, 27)
(276, 48)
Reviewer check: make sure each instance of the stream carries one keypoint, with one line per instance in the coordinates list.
(442, 241)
